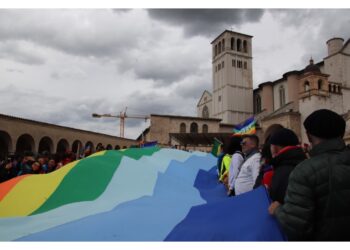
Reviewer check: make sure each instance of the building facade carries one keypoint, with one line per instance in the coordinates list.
(18, 135)
(323, 85)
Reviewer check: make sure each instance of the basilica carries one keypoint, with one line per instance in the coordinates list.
(286, 101)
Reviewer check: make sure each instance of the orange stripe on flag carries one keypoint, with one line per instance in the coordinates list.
(6, 186)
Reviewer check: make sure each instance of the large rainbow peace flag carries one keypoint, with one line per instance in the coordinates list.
(147, 194)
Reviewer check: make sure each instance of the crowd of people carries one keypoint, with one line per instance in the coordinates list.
(44, 163)
(309, 190)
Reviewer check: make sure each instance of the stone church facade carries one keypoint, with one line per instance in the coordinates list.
(286, 101)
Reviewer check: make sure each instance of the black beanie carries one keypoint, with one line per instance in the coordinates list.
(284, 137)
(325, 124)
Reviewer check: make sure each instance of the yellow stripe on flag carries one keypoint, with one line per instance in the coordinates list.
(30, 193)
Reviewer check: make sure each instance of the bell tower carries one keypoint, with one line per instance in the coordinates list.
(232, 98)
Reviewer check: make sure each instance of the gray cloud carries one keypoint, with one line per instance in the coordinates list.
(168, 60)
(78, 32)
(15, 71)
(19, 53)
(76, 113)
(317, 26)
(206, 21)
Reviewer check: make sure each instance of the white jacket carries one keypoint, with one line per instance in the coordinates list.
(235, 167)
(247, 175)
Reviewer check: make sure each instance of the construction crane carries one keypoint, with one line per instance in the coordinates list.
(122, 116)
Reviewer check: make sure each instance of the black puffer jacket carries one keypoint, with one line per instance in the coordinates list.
(283, 165)
(317, 204)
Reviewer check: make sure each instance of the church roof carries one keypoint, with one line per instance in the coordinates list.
(204, 92)
(312, 67)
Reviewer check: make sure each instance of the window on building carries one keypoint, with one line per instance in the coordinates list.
(330, 88)
(339, 89)
(245, 65)
(334, 89)
(233, 63)
(257, 104)
(319, 83)
(219, 66)
(205, 128)
(219, 48)
(219, 98)
(205, 112)
(194, 127)
(216, 68)
(239, 48)
(182, 128)
(223, 44)
(232, 43)
(245, 47)
(282, 96)
(216, 50)
(222, 65)
(306, 86)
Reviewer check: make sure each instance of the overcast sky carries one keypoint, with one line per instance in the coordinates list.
(60, 66)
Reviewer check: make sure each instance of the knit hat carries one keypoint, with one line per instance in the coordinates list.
(284, 137)
(325, 124)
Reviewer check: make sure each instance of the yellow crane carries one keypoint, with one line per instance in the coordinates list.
(122, 116)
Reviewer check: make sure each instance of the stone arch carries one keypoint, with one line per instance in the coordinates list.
(205, 112)
(77, 147)
(117, 147)
(282, 93)
(99, 146)
(5, 144)
(272, 129)
(239, 45)
(232, 43)
(306, 86)
(45, 144)
(62, 146)
(205, 128)
(257, 104)
(245, 46)
(319, 84)
(25, 143)
(182, 127)
(90, 145)
(109, 147)
(194, 127)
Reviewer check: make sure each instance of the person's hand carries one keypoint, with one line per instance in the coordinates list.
(273, 207)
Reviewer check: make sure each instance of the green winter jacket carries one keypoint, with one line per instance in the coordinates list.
(317, 203)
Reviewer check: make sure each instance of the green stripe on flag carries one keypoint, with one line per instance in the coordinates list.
(90, 177)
